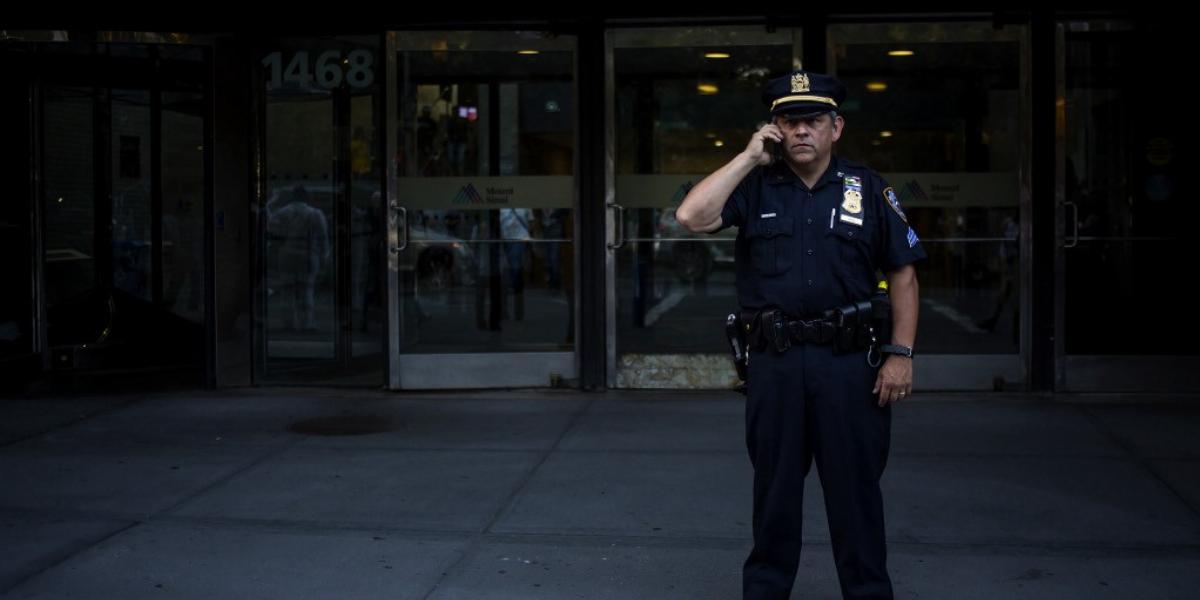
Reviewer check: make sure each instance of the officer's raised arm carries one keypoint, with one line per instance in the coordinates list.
(700, 211)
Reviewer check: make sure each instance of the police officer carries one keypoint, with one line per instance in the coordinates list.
(814, 232)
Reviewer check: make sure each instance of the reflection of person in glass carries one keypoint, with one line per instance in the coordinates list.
(456, 140)
(131, 248)
(364, 250)
(1009, 251)
(299, 232)
(553, 229)
(515, 229)
(427, 131)
(183, 252)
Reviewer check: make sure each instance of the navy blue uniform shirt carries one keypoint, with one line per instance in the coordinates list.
(795, 251)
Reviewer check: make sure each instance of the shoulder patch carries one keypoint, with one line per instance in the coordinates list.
(894, 202)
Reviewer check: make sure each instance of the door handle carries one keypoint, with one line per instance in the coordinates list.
(404, 215)
(619, 231)
(1074, 240)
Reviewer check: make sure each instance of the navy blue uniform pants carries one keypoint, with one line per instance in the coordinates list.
(807, 404)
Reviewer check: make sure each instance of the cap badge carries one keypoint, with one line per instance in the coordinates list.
(800, 83)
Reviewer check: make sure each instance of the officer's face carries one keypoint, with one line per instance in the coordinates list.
(808, 140)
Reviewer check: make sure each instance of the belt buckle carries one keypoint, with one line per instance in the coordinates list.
(808, 331)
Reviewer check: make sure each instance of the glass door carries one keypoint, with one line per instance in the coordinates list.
(483, 212)
(321, 226)
(19, 343)
(120, 154)
(1125, 212)
(940, 110)
(683, 101)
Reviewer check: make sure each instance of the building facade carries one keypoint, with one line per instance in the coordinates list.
(462, 204)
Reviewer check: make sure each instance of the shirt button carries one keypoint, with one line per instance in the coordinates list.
(810, 283)
(810, 251)
(809, 221)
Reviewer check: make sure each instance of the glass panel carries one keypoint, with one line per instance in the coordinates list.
(935, 108)
(131, 218)
(486, 142)
(1124, 177)
(75, 311)
(688, 99)
(16, 303)
(183, 204)
(99, 235)
(367, 251)
(323, 225)
(302, 185)
(982, 315)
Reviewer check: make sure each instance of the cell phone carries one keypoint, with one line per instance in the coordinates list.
(776, 150)
(771, 146)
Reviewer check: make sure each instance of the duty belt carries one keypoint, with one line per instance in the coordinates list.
(774, 329)
(816, 331)
(854, 327)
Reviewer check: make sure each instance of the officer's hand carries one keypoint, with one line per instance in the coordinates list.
(759, 149)
(894, 382)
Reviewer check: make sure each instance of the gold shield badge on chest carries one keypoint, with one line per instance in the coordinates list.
(852, 202)
(852, 206)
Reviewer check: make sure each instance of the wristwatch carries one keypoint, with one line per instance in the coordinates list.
(895, 349)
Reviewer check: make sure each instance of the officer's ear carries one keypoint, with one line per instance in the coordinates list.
(838, 124)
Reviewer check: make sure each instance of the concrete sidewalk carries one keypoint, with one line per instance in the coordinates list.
(559, 494)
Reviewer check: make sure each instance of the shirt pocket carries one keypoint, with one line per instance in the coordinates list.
(852, 248)
(771, 245)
